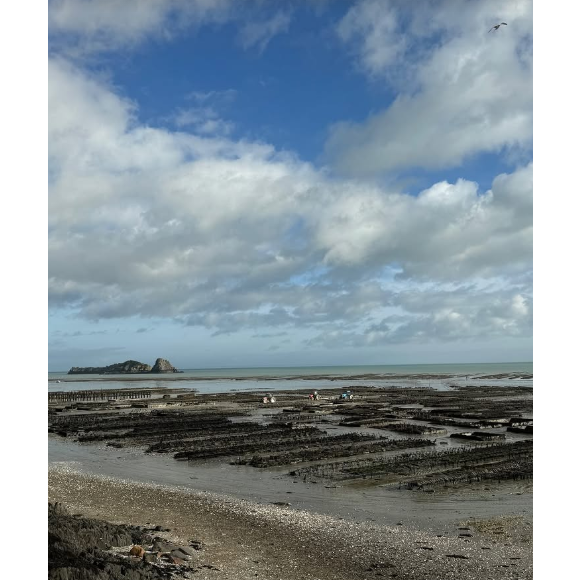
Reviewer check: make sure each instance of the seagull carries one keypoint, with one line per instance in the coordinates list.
(497, 26)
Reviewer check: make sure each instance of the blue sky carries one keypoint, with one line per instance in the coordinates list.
(289, 183)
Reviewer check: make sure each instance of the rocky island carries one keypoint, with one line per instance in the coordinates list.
(128, 367)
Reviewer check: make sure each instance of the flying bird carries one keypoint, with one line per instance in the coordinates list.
(497, 26)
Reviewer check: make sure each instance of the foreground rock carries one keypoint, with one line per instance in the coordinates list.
(85, 549)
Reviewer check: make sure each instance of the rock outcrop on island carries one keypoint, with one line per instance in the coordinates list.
(128, 367)
(163, 366)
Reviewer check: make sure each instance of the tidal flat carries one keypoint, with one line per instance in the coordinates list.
(393, 482)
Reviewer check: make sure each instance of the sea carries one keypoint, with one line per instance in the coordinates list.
(266, 379)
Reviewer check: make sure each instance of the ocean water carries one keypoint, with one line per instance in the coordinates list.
(284, 378)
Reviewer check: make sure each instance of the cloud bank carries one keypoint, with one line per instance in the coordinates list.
(231, 234)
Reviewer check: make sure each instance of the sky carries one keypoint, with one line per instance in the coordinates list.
(252, 183)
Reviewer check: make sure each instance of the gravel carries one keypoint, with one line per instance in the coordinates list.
(245, 540)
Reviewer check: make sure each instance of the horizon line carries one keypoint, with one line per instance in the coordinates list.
(341, 365)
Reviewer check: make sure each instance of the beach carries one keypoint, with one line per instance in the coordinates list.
(395, 482)
(246, 540)
(290, 289)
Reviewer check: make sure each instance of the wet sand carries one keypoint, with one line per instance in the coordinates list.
(220, 383)
(438, 513)
(247, 540)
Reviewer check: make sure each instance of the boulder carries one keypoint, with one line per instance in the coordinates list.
(137, 551)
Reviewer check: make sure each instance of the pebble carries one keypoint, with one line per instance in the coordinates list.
(370, 542)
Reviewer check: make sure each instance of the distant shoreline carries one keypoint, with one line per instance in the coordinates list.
(88, 378)
(330, 377)
(355, 366)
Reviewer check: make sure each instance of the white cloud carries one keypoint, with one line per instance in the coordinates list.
(260, 33)
(447, 231)
(375, 28)
(234, 234)
(204, 118)
(433, 316)
(460, 90)
(89, 26)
